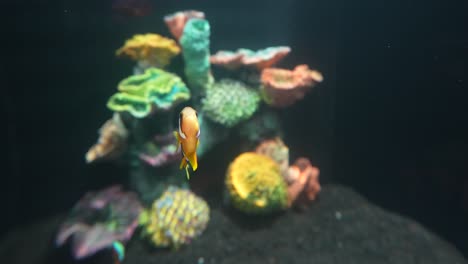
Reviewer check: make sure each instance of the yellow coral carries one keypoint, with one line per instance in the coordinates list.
(175, 219)
(255, 185)
(151, 48)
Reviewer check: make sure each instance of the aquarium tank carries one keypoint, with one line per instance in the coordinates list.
(145, 131)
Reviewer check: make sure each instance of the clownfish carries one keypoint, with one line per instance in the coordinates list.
(188, 138)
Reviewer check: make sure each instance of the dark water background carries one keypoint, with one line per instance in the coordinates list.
(390, 119)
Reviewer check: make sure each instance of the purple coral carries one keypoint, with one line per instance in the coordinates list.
(99, 219)
(166, 155)
(162, 152)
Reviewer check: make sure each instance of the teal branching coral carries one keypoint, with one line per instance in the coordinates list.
(254, 184)
(195, 42)
(155, 89)
(176, 218)
(229, 102)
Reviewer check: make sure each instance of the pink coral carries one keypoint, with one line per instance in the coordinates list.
(161, 151)
(227, 59)
(283, 87)
(259, 59)
(176, 22)
(166, 155)
(99, 219)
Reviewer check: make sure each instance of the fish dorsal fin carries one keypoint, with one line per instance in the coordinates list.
(181, 133)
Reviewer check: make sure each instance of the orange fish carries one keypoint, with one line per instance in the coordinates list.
(188, 138)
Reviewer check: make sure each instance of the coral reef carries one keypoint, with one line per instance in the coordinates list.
(242, 103)
(284, 87)
(153, 90)
(255, 185)
(195, 42)
(229, 102)
(175, 219)
(152, 49)
(112, 140)
(99, 219)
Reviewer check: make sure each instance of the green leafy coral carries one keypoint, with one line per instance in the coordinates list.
(155, 89)
(229, 102)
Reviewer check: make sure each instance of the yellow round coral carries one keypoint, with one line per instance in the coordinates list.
(151, 48)
(255, 185)
(175, 219)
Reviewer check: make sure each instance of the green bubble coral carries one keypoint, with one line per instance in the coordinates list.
(195, 42)
(255, 185)
(229, 102)
(155, 89)
(175, 219)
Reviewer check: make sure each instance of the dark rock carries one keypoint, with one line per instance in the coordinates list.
(341, 227)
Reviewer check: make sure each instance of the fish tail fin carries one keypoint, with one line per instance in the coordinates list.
(193, 161)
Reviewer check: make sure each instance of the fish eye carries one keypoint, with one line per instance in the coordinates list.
(180, 115)
(196, 113)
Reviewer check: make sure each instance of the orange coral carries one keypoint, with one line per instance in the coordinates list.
(153, 49)
(303, 182)
(176, 22)
(283, 87)
(112, 140)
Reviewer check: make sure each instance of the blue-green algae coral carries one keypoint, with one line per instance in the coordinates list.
(195, 42)
(155, 89)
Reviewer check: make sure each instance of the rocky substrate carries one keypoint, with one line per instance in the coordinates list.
(340, 227)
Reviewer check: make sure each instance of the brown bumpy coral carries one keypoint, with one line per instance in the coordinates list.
(152, 49)
(112, 140)
(283, 87)
(303, 183)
